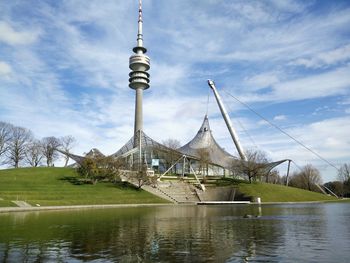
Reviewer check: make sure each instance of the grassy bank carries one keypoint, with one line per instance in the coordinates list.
(281, 193)
(276, 193)
(60, 186)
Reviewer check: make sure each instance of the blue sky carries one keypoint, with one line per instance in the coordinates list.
(64, 70)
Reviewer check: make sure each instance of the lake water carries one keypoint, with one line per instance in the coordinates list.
(282, 233)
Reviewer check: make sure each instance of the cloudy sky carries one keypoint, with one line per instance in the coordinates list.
(64, 71)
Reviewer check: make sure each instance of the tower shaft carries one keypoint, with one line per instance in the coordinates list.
(139, 64)
(138, 125)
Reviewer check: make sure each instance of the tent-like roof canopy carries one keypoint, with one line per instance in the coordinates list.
(204, 140)
(132, 145)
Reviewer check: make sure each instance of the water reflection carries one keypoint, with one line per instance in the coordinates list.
(286, 233)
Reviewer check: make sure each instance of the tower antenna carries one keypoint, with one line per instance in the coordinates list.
(139, 31)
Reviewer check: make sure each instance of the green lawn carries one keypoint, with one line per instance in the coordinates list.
(274, 192)
(60, 186)
(280, 193)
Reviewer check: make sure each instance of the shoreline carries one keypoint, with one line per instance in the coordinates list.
(73, 207)
(101, 206)
(305, 202)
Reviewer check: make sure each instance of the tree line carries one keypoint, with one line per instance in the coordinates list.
(19, 147)
(307, 177)
(341, 187)
(256, 169)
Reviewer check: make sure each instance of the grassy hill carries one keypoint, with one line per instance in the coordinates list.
(276, 193)
(281, 193)
(60, 186)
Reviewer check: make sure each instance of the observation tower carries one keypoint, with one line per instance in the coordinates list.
(141, 151)
(139, 64)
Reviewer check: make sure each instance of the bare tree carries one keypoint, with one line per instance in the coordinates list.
(307, 178)
(172, 155)
(274, 177)
(20, 138)
(34, 153)
(67, 143)
(172, 143)
(336, 187)
(5, 136)
(255, 166)
(204, 160)
(344, 178)
(49, 146)
(113, 168)
(142, 176)
(99, 168)
(344, 173)
(89, 169)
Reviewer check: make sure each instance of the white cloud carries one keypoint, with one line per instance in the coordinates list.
(262, 80)
(334, 82)
(169, 78)
(289, 6)
(5, 69)
(325, 58)
(280, 118)
(344, 101)
(328, 137)
(262, 123)
(256, 12)
(10, 36)
(321, 110)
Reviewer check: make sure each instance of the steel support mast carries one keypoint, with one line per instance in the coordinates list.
(227, 121)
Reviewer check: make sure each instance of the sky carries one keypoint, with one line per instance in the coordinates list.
(64, 71)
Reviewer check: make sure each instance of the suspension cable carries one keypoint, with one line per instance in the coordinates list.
(284, 132)
(298, 166)
(207, 103)
(242, 126)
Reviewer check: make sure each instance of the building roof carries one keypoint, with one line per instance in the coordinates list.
(132, 145)
(204, 140)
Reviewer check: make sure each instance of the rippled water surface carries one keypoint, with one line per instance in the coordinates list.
(280, 233)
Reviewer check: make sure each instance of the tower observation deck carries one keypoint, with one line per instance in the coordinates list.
(139, 64)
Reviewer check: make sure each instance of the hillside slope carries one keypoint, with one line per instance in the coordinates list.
(48, 186)
(280, 193)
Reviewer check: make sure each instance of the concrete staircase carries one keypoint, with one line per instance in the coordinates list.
(21, 203)
(173, 190)
(159, 192)
(153, 189)
(182, 192)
